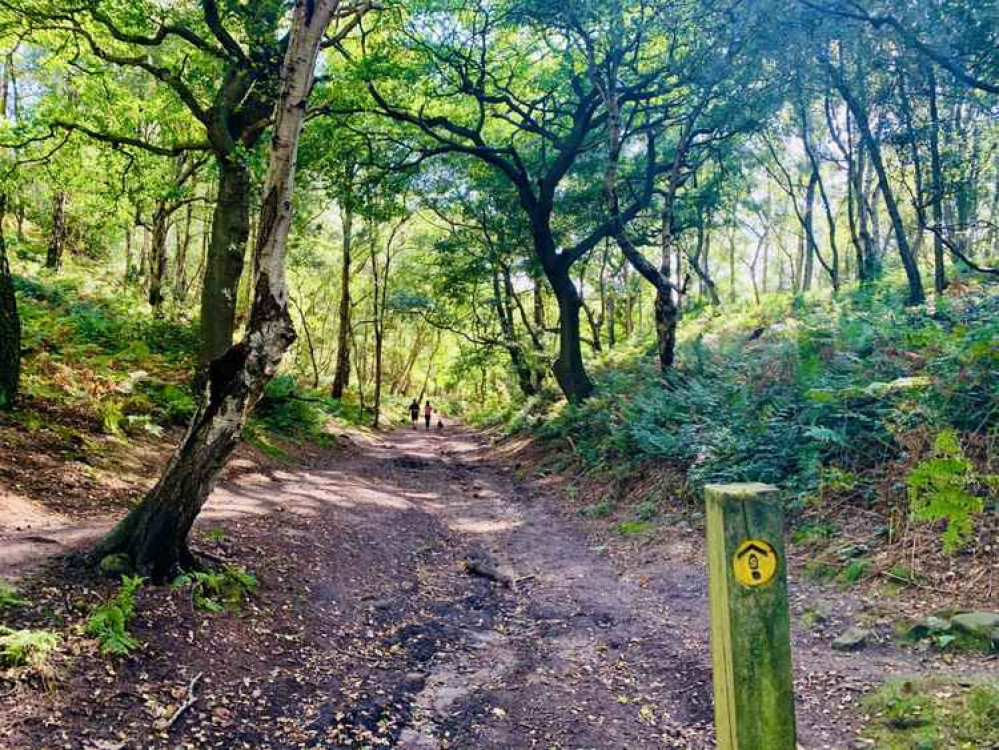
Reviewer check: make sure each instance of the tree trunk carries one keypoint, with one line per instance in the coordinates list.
(224, 265)
(808, 224)
(341, 377)
(502, 291)
(158, 259)
(10, 325)
(569, 369)
(155, 533)
(936, 189)
(731, 266)
(667, 315)
(57, 242)
(180, 262)
(143, 274)
(993, 243)
(129, 230)
(916, 294)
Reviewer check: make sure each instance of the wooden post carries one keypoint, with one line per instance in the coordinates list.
(750, 629)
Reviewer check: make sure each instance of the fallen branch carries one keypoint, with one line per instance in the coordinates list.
(189, 700)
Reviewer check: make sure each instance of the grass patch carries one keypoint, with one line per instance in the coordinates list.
(260, 440)
(819, 570)
(9, 598)
(27, 648)
(930, 714)
(634, 527)
(854, 572)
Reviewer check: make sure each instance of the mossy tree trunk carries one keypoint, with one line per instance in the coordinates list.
(155, 533)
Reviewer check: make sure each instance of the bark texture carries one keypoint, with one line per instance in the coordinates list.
(224, 265)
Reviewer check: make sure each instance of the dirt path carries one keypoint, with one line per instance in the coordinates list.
(369, 633)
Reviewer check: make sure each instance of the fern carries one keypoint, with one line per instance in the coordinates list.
(109, 622)
(215, 591)
(27, 648)
(938, 491)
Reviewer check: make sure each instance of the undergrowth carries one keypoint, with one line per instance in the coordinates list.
(921, 715)
(814, 397)
(9, 598)
(28, 648)
(109, 621)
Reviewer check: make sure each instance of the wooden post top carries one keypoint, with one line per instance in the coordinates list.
(747, 490)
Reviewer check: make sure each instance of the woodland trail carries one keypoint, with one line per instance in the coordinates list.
(369, 632)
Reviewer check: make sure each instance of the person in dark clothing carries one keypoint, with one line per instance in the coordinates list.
(428, 412)
(414, 412)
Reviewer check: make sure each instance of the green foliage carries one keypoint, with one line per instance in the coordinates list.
(172, 404)
(819, 570)
(256, 436)
(112, 417)
(600, 509)
(922, 715)
(854, 571)
(216, 534)
(109, 621)
(292, 411)
(938, 491)
(284, 410)
(634, 527)
(215, 591)
(815, 532)
(829, 393)
(647, 510)
(9, 598)
(27, 648)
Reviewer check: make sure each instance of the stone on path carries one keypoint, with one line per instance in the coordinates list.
(853, 639)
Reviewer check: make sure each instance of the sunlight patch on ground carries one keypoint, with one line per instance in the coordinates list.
(482, 525)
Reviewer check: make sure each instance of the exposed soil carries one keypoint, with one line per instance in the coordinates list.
(368, 631)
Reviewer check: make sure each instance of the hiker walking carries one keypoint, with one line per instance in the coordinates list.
(428, 412)
(414, 412)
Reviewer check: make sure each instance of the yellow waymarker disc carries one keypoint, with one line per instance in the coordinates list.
(755, 562)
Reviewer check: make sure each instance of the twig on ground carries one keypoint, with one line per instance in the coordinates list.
(189, 700)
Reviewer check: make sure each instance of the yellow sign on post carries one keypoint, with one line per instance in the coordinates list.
(750, 638)
(755, 563)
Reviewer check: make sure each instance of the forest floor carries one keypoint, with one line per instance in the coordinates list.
(369, 631)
